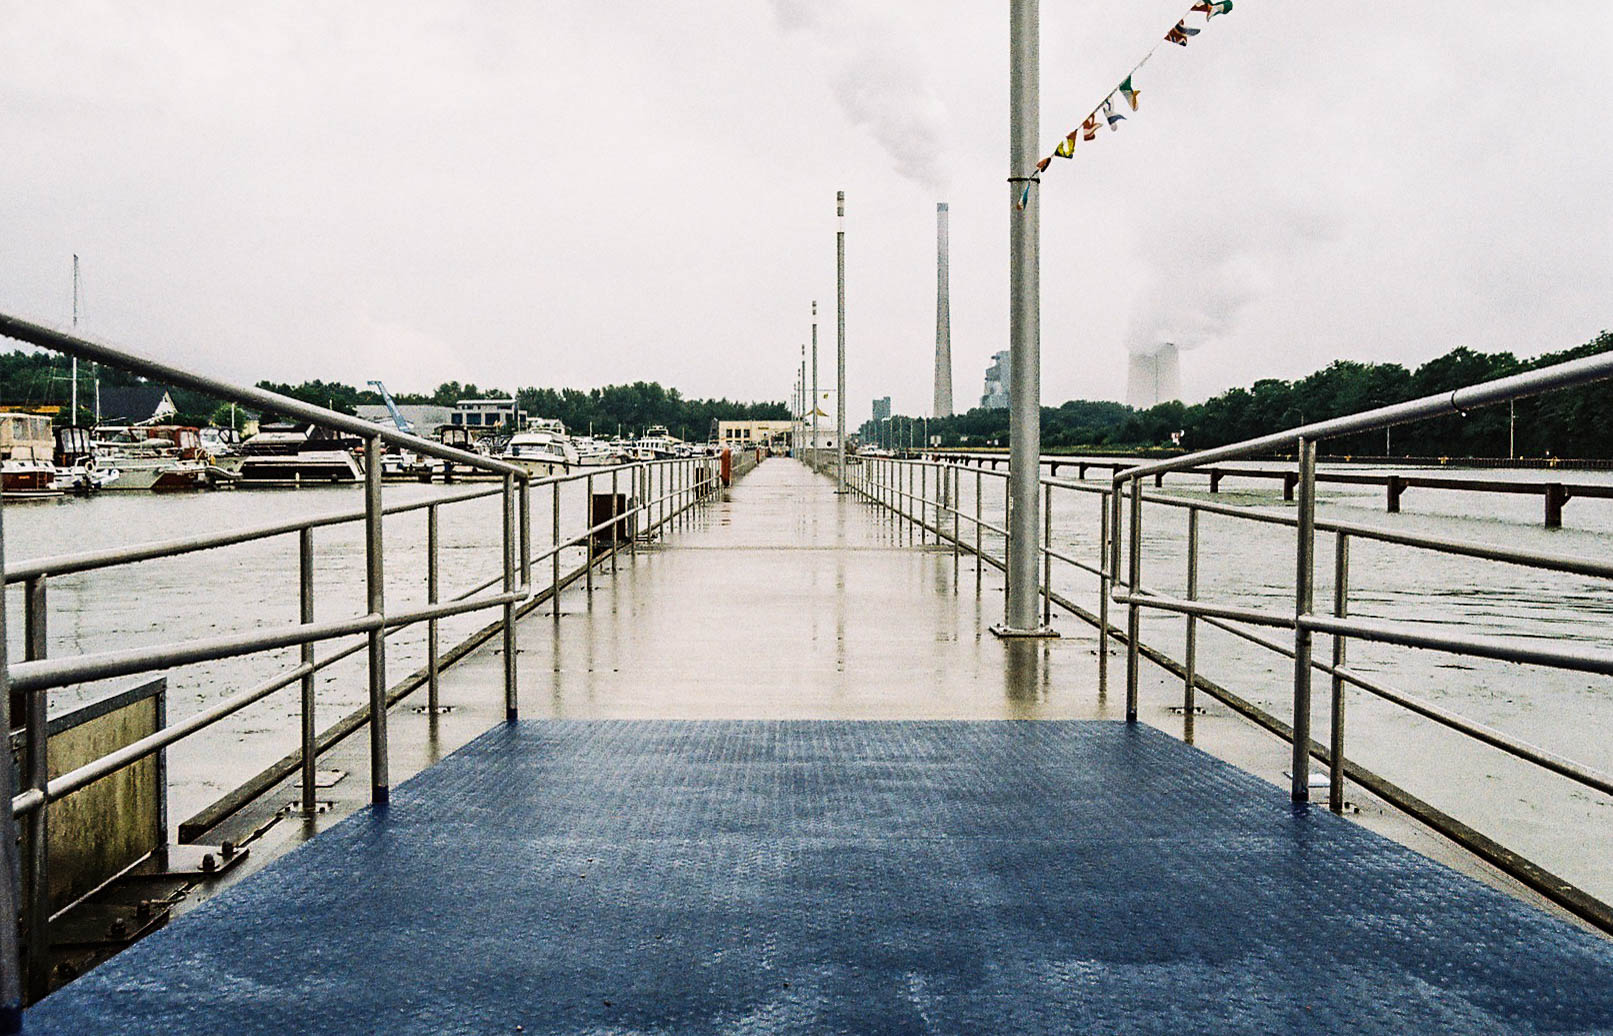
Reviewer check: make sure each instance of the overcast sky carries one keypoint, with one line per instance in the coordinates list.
(540, 193)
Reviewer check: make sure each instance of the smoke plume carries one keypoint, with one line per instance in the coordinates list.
(878, 82)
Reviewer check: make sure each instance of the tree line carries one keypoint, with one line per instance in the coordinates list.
(1572, 424)
(42, 378)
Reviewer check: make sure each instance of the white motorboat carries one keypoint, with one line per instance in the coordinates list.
(289, 455)
(656, 444)
(541, 453)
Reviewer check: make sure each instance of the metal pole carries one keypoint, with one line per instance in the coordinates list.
(510, 702)
(815, 395)
(380, 785)
(1341, 605)
(1304, 577)
(979, 558)
(554, 558)
(615, 520)
(433, 589)
(10, 869)
(589, 511)
(37, 759)
(1025, 365)
(1134, 575)
(1191, 650)
(840, 379)
(525, 520)
(305, 585)
(1105, 579)
(1047, 558)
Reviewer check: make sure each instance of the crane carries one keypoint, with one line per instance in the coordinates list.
(403, 423)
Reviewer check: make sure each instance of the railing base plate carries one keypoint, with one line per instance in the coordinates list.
(1009, 633)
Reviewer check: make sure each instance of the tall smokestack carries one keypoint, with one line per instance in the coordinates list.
(943, 318)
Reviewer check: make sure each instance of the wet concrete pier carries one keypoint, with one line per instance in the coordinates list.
(783, 780)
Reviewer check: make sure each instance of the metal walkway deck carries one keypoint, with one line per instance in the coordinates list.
(638, 876)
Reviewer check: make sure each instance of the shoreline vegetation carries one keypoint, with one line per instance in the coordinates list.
(1564, 429)
(1548, 430)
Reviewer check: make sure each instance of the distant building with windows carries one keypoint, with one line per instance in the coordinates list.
(996, 394)
(739, 434)
(882, 409)
(487, 413)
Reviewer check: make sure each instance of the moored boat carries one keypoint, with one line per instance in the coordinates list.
(26, 447)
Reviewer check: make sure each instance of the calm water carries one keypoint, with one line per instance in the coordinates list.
(1561, 825)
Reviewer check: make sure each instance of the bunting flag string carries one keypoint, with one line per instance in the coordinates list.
(1108, 113)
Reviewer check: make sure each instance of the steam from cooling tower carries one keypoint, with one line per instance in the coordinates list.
(878, 81)
(943, 317)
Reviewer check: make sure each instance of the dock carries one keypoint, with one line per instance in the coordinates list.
(776, 775)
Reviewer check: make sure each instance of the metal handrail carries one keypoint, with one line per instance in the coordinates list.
(1123, 585)
(682, 489)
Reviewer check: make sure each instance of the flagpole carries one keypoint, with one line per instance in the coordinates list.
(1024, 327)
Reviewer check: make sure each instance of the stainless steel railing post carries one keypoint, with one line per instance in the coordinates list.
(554, 558)
(1134, 575)
(957, 545)
(36, 756)
(922, 502)
(1105, 583)
(380, 784)
(524, 519)
(10, 871)
(1190, 650)
(511, 704)
(979, 558)
(1047, 557)
(1341, 606)
(1304, 578)
(433, 590)
(588, 547)
(305, 600)
(615, 520)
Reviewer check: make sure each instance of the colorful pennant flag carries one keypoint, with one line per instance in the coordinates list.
(1106, 114)
(1130, 93)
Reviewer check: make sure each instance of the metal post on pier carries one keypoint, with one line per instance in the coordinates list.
(1190, 650)
(305, 597)
(1341, 607)
(36, 757)
(1304, 580)
(554, 557)
(433, 592)
(510, 702)
(10, 865)
(1105, 581)
(1134, 575)
(1024, 326)
(815, 395)
(1047, 557)
(840, 336)
(380, 784)
(589, 546)
(615, 520)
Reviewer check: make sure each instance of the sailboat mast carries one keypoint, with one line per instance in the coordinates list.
(73, 413)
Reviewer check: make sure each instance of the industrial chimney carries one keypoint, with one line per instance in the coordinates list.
(943, 319)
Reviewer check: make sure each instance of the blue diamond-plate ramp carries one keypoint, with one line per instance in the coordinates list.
(1000, 877)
